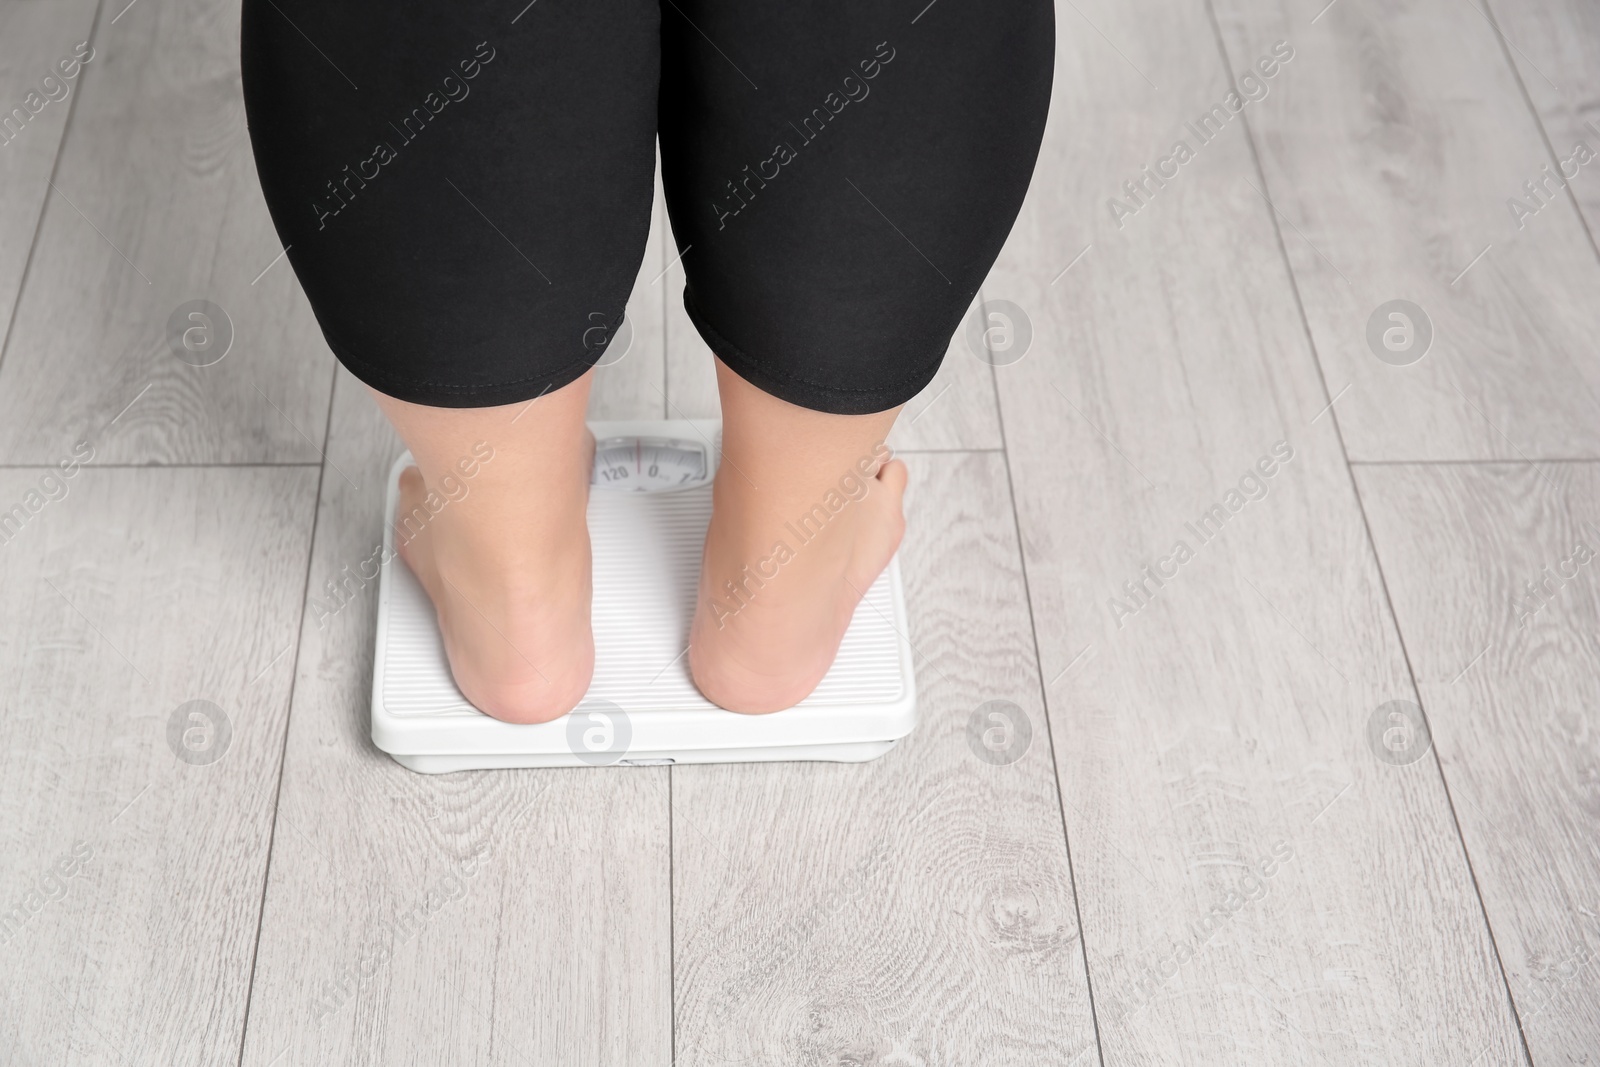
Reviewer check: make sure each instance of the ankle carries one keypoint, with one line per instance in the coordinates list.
(484, 544)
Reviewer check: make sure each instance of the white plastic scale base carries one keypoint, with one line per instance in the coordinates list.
(642, 709)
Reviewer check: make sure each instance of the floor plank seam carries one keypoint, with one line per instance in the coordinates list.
(44, 199)
(1044, 709)
(1465, 462)
(288, 717)
(1538, 121)
(1371, 543)
(1444, 781)
(928, 934)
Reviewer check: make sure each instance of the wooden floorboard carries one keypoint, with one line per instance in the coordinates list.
(111, 628)
(1391, 144)
(35, 36)
(156, 204)
(1256, 886)
(1555, 45)
(1492, 570)
(473, 918)
(1104, 900)
(913, 910)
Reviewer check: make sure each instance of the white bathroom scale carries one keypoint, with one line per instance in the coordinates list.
(649, 504)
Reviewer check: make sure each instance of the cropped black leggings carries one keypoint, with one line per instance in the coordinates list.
(464, 186)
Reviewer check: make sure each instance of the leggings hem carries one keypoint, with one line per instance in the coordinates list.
(445, 395)
(816, 396)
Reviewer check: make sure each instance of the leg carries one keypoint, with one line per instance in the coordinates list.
(505, 557)
(834, 227)
(467, 227)
(806, 515)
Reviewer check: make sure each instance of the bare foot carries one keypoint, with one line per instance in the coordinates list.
(764, 644)
(772, 608)
(506, 562)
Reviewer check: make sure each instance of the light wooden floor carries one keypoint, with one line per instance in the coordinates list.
(1326, 793)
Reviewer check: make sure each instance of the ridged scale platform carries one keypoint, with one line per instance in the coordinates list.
(646, 569)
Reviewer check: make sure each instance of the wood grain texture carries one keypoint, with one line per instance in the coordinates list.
(305, 900)
(1555, 45)
(155, 204)
(631, 386)
(474, 918)
(1492, 570)
(34, 36)
(111, 624)
(1391, 144)
(913, 910)
(1216, 720)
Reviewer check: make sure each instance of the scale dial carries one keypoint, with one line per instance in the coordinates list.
(649, 464)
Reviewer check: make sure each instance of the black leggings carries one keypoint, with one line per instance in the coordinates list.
(465, 186)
